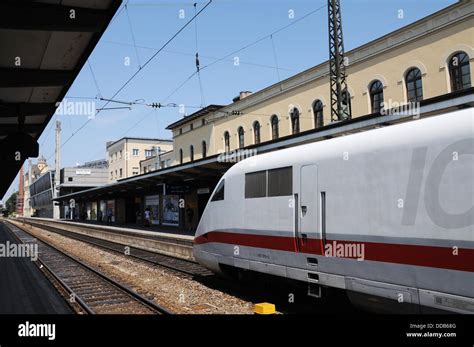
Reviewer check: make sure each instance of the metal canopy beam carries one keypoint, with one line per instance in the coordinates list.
(46, 17)
(19, 109)
(175, 175)
(11, 78)
(197, 170)
(14, 128)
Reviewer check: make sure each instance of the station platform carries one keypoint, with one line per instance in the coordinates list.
(166, 240)
(23, 288)
(152, 232)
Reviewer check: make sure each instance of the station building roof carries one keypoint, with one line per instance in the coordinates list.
(195, 115)
(211, 168)
(145, 139)
(43, 47)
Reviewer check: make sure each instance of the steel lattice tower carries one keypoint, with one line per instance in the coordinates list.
(340, 99)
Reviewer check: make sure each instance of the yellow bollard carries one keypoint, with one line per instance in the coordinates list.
(264, 308)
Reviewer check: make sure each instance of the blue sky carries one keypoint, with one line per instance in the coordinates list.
(224, 27)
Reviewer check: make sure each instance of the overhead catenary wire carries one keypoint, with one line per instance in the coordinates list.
(139, 70)
(200, 56)
(117, 14)
(133, 36)
(145, 116)
(266, 36)
(276, 59)
(99, 93)
(246, 47)
(172, 3)
(208, 65)
(137, 102)
(203, 102)
(51, 125)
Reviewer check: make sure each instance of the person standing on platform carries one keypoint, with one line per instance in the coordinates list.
(109, 216)
(190, 216)
(147, 217)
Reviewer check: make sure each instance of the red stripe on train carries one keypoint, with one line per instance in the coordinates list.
(430, 256)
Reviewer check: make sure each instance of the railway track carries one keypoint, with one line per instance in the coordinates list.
(92, 290)
(257, 291)
(183, 266)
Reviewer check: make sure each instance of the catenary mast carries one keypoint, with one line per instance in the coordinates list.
(340, 99)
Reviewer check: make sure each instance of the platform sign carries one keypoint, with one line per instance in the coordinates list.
(203, 191)
(177, 189)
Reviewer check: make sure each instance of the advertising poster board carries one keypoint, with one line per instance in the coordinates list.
(152, 202)
(171, 210)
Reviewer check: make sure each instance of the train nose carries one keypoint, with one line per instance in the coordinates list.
(200, 230)
(202, 248)
(199, 238)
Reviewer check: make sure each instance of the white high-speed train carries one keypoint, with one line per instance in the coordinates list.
(386, 214)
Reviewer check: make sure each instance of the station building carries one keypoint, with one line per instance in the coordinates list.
(420, 70)
(428, 58)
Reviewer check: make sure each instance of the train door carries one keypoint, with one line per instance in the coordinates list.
(309, 237)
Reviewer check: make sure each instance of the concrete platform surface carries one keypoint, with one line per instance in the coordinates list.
(151, 231)
(23, 287)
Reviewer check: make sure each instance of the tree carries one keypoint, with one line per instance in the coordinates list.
(10, 205)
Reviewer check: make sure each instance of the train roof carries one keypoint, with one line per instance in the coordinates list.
(449, 125)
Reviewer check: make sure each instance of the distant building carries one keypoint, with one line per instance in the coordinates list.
(156, 162)
(33, 173)
(21, 194)
(41, 194)
(74, 179)
(97, 164)
(124, 155)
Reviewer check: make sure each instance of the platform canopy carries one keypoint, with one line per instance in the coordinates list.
(43, 46)
(204, 172)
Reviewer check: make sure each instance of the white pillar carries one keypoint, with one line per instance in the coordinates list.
(56, 209)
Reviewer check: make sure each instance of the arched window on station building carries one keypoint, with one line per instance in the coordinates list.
(376, 96)
(204, 149)
(318, 114)
(256, 132)
(295, 120)
(226, 142)
(459, 71)
(241, 134)
(275, 128)
(414, 85)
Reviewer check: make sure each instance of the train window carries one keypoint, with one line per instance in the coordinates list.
(219, 194)
(256, 185)
(280, 182)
